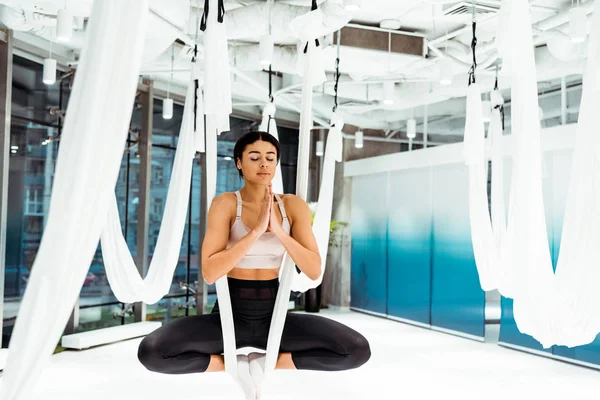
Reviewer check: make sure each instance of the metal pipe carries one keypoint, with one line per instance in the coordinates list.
(563, 100)
(425, 122)
(6, 72)
(284, 102)
(180, 33)
(458, 32)
(381, 139)
(145, 154)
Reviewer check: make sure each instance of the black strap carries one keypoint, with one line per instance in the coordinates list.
(473, 46)
(197, 86)
(312, 8)
(337, 80)
(316, 44)
(221, 11)
(195, 53)
(206, 11)
(270, 85)
(204, 16)
(499, 106)
(269, 123)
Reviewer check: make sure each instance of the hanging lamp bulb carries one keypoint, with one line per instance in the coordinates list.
(64, 25)
(319, 150)
(167, 108)
(352, 5)
(49, 71)
(411, 128)
(388, 92)
(358, 139)
(577, 24)
(266, 49)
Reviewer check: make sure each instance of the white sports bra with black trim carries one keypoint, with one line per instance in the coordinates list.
(267, 252)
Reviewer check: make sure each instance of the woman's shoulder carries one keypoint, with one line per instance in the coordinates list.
(225, 198)
(225, 202)
(291, 198)
(293, 204)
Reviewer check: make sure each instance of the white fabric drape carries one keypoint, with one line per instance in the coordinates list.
(577, 272)
(529, 255)
(310, 66)
(87, 169)
(217, 78)
(217, 107)
(124, 279)
(269, 125)
(199, 134)
(552, 308)
(289, 279)
(502, 276)
(313, 73)
(322, 222)
(484, 246)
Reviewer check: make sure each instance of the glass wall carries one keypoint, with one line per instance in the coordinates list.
(35, 139)
(98, 307)
(35, 134)
(164, 145)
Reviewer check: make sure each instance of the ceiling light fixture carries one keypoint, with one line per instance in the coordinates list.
(358, 139)
(352, 5)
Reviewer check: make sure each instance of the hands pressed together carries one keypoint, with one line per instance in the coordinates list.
(267, 217)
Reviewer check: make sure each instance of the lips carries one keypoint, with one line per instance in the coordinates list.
(264, 174)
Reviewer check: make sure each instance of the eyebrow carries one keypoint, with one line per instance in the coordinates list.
(258, 152)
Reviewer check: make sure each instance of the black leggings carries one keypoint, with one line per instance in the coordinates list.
(316, 343)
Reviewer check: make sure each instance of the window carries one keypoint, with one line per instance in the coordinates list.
(34, 201)
(34, 225)
(158, 208)
(157, 175)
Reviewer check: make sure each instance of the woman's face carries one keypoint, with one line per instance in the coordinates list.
(259, 162)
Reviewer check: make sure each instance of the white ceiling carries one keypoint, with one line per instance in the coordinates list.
(363, 71)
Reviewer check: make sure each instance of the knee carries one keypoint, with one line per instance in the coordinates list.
(359, 352)
(149, 353)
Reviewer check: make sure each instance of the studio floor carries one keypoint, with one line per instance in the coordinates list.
(407, 363)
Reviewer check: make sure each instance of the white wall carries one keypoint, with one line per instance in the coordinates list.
(555, 138)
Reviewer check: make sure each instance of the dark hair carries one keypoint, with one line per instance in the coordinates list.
(249, 138)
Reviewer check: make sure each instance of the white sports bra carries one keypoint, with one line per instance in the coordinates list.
(267, 252)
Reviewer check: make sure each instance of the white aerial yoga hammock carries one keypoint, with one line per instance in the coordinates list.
(269, 125)
(554, 308)
(124, 279)
(313, 75)
(217, 79)
(88, 161)
(484, 246)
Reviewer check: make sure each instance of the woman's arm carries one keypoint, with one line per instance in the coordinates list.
(300, 244)
(217, 259)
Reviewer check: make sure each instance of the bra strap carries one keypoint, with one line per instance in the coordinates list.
(281, 208)
(239, 205)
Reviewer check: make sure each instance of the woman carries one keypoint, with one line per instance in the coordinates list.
(247, 235)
